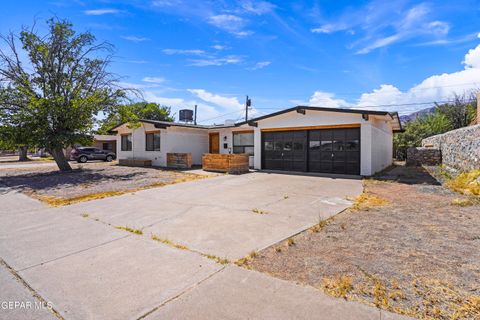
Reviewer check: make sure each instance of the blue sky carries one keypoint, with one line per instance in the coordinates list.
(363, 54)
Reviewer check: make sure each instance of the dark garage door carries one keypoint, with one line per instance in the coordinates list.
(285, 150)
(324, 150)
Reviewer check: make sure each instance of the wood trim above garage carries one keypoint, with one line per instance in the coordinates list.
(242, 131)
(336, 126)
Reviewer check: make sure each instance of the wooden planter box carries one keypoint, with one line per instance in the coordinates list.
(230, 163)
(135, 162)
(179, 160)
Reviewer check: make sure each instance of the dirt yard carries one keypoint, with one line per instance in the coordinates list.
(409, 245)
(87, 181)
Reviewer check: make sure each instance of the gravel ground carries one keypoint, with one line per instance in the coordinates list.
(417, 255)
(88, 179)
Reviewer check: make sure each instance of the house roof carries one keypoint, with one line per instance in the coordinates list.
(395, 120)
(104, 137)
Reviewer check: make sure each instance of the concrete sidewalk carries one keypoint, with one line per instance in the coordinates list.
(74, 258)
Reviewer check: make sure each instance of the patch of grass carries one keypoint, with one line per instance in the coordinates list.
(245, 261)
(168, 242)
(338, 287)
(466, 183)
(462, 202)
(290, 242)
(126, 228)
(60, 201)
(366, 201)
(470, 309)
(320, 225)
(259, 211)
(379, 293)
(217, 259)
(85, 215)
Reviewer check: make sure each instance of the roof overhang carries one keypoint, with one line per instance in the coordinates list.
(393, 116)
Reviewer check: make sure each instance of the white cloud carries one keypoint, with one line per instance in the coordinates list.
(166, 3)
(258, 7)
(219, 47)
(330, 28)
(99, 12)
(215, 61)
(204, 111)
(153, 79)
(230, 23)
(323, 99)
(387, 97)
(435, 88)
(382, 42)
(472, 58)
(230, 103)
(261, 65)
(383, 23)
(193, 52)
(135, 38)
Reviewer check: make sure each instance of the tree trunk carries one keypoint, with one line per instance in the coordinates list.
(60, 159)
(22, 153)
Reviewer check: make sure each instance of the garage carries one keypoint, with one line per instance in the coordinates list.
(319, 150)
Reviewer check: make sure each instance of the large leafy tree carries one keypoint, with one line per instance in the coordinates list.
(57, 91)
(134, 112)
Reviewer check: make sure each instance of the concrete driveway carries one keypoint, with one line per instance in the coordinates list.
(74, 259)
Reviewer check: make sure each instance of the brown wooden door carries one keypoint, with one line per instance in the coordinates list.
(214, 142)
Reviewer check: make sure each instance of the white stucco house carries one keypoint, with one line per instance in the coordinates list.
(302, 138)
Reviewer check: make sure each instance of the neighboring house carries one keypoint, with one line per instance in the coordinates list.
(103, 142)
(305, 139)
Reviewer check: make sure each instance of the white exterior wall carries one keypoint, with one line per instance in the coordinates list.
(382, 145)
(226, 137)
(172, 139)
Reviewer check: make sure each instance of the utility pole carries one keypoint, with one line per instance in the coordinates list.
(195, 116)
(248, 103)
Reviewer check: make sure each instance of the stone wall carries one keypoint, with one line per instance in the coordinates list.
(460, 148)
(423, 156)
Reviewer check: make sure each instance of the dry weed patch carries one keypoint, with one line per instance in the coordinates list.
(126, 228)
(259, 211)
(245, 261)
(338, 287)
(60, 201)
(217, 259)
(366, 201)
(168, 242)
(467, 183)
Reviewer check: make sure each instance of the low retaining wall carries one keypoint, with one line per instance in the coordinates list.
(135, 162)
(231, 163)
(179, 160)
(460, 148)
(423, 156)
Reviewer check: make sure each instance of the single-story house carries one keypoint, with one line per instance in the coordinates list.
(302, 138)
(100, 141)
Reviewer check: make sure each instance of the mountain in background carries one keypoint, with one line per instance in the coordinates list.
(415, 115)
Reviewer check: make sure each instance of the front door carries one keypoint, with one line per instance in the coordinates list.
(214, 142)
